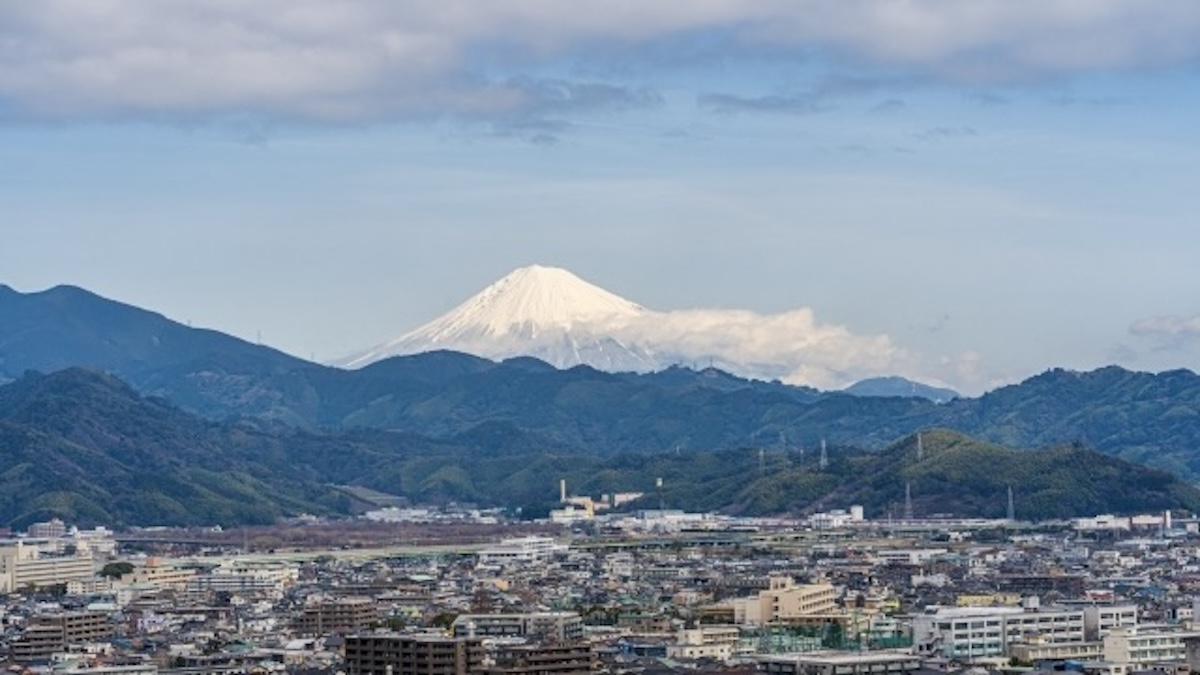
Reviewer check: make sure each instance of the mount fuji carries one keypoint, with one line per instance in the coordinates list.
(551, 314)
(544, 312)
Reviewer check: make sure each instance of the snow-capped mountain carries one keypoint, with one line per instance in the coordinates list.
(551, 314)
(545, 312)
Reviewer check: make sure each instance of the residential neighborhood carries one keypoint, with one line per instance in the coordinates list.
(630, 592)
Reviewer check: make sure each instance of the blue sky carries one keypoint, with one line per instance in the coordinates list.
(995, 187)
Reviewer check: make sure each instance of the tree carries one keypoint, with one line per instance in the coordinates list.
(116, 570)
(443, 620)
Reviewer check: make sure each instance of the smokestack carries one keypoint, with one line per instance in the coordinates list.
(562, 490)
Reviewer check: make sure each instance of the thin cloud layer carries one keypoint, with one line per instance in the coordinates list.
(376, 60)
(1168, 330)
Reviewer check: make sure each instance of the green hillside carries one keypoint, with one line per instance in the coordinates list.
(85, 447)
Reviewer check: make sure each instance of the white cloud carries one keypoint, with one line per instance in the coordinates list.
(364, 60)
(1169, 330)
(791, 346)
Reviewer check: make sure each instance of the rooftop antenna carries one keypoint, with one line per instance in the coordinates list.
(824, 456)
(920, 448)
(1012, 511)
(908, 509)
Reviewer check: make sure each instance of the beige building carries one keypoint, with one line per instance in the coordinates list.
(713, 642)
(987, 600)
(1034, 651)
(784, 600)
(24, 566)
(155, 574)
(1145, 645)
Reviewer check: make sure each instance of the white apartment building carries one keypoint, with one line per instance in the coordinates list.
(561, 626)
(909, 556)
(521, 550)
(838, 518)
(246, 577)
(976, 632)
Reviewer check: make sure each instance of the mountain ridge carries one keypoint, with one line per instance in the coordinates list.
(894, 385)
(1151, 419)
(85, 447)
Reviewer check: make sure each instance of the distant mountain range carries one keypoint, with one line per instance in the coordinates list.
(1146, 418)
(82, 446)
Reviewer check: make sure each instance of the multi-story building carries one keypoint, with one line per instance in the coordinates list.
(713, 642)
(243, 577)
(337, 615)
(842, 663)
(976, 632)
(784, 600)
(398, 654)
(560, 626)
(48, 634)
(908, 556)
(1142, 646)
(521, 550)
(1036, 650)
(24, 566)
(49, 529)
(155, 574)
(551, 658)
(1066, 585)
(92, 586)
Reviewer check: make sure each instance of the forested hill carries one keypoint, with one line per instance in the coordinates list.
(84, 447)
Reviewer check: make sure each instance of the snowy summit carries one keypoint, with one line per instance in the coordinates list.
(546, 312)
(529, 299)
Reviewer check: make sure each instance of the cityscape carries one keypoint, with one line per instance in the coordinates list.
(632, 592)
(637, 337)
